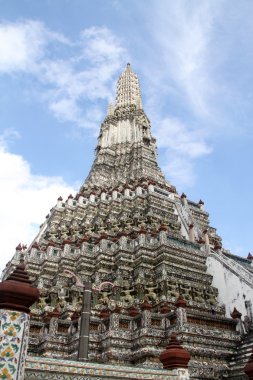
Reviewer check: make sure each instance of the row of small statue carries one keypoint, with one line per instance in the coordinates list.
(126, 295)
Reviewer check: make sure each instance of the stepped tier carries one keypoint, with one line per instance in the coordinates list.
(127, 227)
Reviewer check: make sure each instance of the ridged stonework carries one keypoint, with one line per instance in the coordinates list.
(128, 226)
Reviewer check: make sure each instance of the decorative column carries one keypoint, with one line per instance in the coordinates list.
(103, 195)
(206, 237)
(236, 315)
(146, 314)
(201, 204)
(83, 348)
(127, 192)
(114, 194)
(138, 190)
(181, 305)
(16, 296)
(163, 234)
(184, 199)
(59, 202)
(92, 197)
(175, 359)
(142, 236)
(150, 187)
(191, 233)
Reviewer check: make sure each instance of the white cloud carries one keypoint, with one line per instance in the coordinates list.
(184, 35)
(21, 45)
(176, 136)
(85, 74)
(180, 170)
(8, 135)
(181, 88)
(182, 147)
(25, 199)
(101, 45)
(65, 109)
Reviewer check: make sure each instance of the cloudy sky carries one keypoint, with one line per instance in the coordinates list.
(59, 62)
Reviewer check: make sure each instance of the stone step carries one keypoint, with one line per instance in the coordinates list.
(240, 358)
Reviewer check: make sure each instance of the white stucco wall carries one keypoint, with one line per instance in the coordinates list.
(233, 290)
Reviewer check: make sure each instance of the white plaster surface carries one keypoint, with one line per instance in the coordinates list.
(233, 289)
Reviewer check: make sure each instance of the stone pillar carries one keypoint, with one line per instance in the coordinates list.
(103, 195)
(66, 248)
(138, 190)
(16, 296)
(181, 305)
(84, 245)
(236, 315)
(92, 198)
(142, 236)
(146, 318)
(59, 202)
(123, 241)
(175, 359)
(103, 242)
(163, 234)
(114, 320)
(70, 200)
(83, 347)
(201, 204)
(80, 200)
(191, 233)
(184, 199)
(206, 237)
(114, 194)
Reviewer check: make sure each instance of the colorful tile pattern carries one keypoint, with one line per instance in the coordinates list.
(14, 330)
(52, 369)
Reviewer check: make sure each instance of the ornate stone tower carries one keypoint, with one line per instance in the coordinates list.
(126, 150)
(127, 227)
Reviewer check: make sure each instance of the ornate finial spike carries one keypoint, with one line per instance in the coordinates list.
(128, 90)
(181, 302)
(236, 314)
(17, 292)
(110, 110)
(175, 356)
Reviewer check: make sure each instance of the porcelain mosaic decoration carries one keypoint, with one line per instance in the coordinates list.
(168, 271)
(56, 369)
(14, 330)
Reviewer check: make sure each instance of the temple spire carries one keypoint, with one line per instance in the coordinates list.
(126, 149)
(128, 89)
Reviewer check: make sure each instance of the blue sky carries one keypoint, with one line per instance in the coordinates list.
(59, 62)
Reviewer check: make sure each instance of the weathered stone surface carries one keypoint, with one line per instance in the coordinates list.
(128, 227)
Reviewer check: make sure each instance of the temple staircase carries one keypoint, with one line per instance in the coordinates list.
(241, 357)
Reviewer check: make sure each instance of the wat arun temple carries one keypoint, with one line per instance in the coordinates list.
(150, 262)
